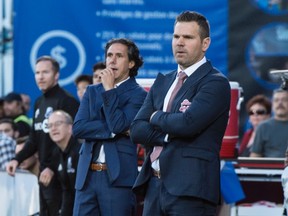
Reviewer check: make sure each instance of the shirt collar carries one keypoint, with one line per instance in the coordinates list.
(193, 67)
(118, 84)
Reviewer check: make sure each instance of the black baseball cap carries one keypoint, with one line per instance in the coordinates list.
(12, 97)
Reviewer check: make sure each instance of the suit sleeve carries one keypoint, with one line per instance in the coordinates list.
(142, 131)
(112, 115)
(89, 123)
(120, 114)
(211, 101)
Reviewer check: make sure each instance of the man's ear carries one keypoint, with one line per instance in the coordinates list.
(206, 43)
(131, 64)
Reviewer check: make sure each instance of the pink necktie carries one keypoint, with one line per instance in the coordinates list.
(181, 77)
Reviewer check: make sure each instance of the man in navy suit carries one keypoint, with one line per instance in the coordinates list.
(107, 166)
(184, 179)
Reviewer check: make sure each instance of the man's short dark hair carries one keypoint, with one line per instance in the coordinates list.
(133, 53)
(192, 16)
(83, 77)
(99, 66)
(55, 64)
(12, 96)
(9, 121)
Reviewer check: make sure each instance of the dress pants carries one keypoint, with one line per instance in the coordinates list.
(98, 197)
(158, 202)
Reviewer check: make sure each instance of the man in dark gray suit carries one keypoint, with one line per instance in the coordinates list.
(185, 127)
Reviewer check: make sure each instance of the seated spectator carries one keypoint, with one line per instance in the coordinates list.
(271, 136)
(97, 68)
(258, 109)
(13, 108)
(7, 150)
(60, 131)
(9, 127)
(82, 82)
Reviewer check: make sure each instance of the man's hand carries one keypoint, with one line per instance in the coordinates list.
(45, 176)
(11, 167)
(107, 78)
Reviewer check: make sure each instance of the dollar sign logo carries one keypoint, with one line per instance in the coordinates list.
(56, 53)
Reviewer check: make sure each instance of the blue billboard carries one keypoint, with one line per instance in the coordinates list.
(75, 33)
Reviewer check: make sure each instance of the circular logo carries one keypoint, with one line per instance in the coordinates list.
(58, 50)
(267, 51)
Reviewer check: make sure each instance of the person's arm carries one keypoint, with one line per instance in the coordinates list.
(11, 167)
(253, 154)
(141, 130)
(211, 100)
(120, 110)
(90, 124)
(257, 148)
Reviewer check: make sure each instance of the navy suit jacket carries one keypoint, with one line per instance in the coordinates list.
(100, 114)
(189, 162)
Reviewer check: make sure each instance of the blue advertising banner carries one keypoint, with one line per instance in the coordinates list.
(75, 33)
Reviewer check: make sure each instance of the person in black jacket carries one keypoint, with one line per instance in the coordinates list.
(60, 131)
(53, 98)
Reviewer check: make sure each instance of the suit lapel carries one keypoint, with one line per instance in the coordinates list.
(190, 84)
(161, 87)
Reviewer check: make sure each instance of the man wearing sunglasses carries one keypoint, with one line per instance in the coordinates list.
(271, 137)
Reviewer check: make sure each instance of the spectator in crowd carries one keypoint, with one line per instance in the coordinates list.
(13, 108)
(82, 81)
(271, 136)
(258, 109)
(26, 102)
(9, 127)
(97, 68)
(47, 72)
(60, 130)
(105, 177)
(7, 150)
(181, 176)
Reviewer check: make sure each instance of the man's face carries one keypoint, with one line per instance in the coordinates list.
(26, 101)
(188, 48)
(59, 130)
(45, 77)
(81, 88)
(96, 76)
(12, 108)
(117, 59)
(280, 104)
(7, 129)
